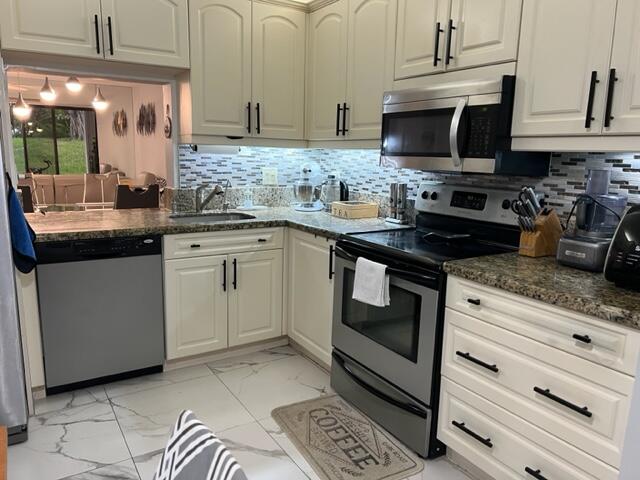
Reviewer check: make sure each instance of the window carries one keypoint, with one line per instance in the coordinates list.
(56, 140)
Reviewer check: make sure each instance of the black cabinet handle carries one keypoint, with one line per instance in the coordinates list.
(592, 92)
(195, 245)
(612, 85)
(235, 274)
(582, 338)
(474, 301)
(344, 119)
(571, 406)
(262, 240)
(436, 47)
(258, 118)
(485, 441)
(338, 110)
(248, 117)
(97, 25)
(110, 35)
(447, 55)
(224, 275)
(331, 253)
(535, 473)
(472, 359)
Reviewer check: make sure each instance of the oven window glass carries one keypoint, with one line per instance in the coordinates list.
(419, 133)
(396, 327)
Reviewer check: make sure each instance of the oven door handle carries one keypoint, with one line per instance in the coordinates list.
(454, 130)
(407, 407)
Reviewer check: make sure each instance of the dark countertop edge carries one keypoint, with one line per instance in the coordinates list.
(576, 304)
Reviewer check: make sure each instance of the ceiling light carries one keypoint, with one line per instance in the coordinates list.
(47, 93)
(21, 109)
(99, 102)
(73, 84)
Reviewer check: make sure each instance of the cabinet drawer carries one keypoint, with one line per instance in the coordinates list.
(609, 345)
(510, 445)
(584, 404)
(217, 243)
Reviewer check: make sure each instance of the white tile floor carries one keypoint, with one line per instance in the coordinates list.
(119, 430)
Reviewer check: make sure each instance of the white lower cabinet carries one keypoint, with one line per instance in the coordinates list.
(213, 302)
(310, 289)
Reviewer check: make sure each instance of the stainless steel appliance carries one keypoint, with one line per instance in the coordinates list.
(456, 127)
(101, 310)
(397, 203)
(305, 193)
(623, 260)
(386, 361)
(333, 190)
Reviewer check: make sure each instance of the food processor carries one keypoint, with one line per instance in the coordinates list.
(597, 215)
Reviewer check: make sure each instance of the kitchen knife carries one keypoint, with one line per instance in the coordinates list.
(534, 199)
(531, 211)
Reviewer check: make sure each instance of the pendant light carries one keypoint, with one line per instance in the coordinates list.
(99, 102)
(73, 84)
(47, 93)
(21, 109)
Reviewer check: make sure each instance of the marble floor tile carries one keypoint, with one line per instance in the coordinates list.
(122, 471)
(154, 380)
(69, 399)
(67, 442)
(147, 464)
(441, 469)
(252, 359)
(261, 388)
(146, 417)
(259, 455)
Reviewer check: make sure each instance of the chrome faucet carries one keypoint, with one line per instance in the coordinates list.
(217, 190)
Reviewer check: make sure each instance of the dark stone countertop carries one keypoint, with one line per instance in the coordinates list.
(543, 279)
(59, 226)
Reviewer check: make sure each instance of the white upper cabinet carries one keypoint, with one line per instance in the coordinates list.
(221, 66)
(326, 70)
(420, 37)
(482, 32)
(147, 31)
(563, 66)
(279, 40)
(624, 114)
(65, 27)
(370, 64)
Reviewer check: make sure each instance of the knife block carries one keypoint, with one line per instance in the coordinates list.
(544, 241)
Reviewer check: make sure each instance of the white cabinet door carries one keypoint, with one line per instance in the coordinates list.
(483, 32)
(326, 70)
(279, 41)
(561, 44)
(220, 40)
(255, 296)
(195, 306)
(310, 309)
(625, 108)
(370, 65)
(64, 27)
(419, 21)
(155, 32)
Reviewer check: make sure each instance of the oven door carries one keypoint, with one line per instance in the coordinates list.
(397, 342)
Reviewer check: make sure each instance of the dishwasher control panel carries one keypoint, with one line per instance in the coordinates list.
(98, 248)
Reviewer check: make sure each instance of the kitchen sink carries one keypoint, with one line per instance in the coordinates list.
(212, 217)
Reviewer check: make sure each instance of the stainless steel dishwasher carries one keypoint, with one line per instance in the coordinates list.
(101, 310)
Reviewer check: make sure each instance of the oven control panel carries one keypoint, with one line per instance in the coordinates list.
(484, 204)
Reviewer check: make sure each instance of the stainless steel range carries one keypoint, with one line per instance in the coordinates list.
(386, 360)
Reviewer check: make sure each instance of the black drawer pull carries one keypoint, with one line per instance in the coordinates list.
(436, 45)
(262, 240)
(195, 245)
(592, 92)
(485, 441)
(582, 338)
(535, 473)
(235, 274)
(97, 25)
(609, 106)
(467, 356)
(224, 275)
(572, 406)
(474, 301)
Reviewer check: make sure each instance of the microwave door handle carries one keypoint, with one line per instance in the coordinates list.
(453, 132)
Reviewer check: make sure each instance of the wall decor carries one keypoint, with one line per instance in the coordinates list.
(168, 124)
(120, 123)
(146, 124)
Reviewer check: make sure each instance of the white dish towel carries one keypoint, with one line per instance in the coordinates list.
(371, 284)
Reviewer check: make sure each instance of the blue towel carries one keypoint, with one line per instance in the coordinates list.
(22, 236)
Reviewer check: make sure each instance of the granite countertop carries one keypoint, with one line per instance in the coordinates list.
(543, 279)
(58, 226)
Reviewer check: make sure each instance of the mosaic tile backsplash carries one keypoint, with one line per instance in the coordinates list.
(360, 169)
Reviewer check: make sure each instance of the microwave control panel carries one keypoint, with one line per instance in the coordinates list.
(483, 126)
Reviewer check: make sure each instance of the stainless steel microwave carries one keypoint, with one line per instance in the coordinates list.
(460, 127)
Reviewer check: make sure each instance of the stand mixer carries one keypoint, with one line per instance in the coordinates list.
(306, 194)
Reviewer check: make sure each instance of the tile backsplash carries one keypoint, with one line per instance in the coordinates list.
(360, 169)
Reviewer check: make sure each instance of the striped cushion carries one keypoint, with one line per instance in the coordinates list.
(195, 453)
